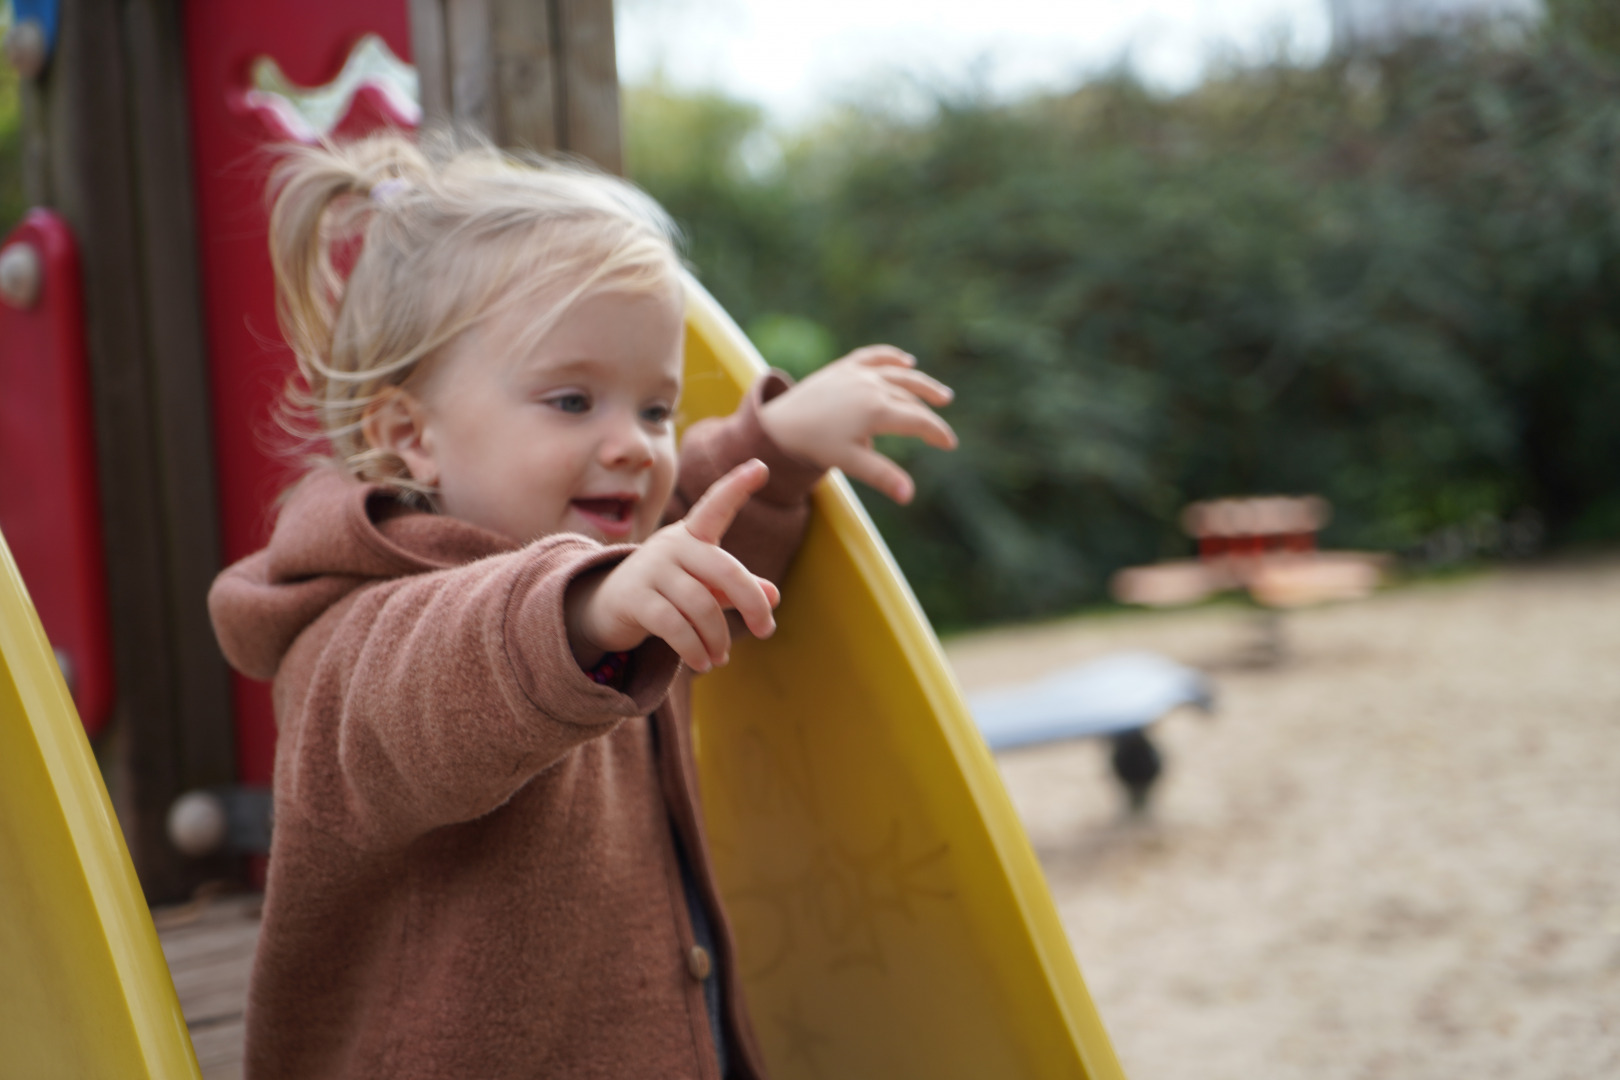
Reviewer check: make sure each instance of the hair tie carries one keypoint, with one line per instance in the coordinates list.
(387, 190)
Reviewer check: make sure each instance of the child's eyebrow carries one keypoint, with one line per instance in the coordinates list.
(552, 368)
(535, 367)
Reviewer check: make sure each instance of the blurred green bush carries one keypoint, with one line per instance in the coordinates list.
(1389, 278)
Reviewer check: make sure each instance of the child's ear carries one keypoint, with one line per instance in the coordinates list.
(396, 422)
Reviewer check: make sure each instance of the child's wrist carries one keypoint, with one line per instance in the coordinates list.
(576, 610)
(781, 429)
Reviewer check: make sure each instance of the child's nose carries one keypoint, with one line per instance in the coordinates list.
(627, 444)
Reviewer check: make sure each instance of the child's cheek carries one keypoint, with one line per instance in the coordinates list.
(662, 490)
(650, 515)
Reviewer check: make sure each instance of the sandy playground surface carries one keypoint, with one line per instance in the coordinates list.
(1394, 854)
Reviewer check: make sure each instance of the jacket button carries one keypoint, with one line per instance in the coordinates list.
(698, 963)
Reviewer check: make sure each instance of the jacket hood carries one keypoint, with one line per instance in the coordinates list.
(333, 536)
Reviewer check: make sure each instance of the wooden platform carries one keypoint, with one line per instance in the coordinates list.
(209, 945)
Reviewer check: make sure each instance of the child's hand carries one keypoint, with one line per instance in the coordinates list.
(677, 586)
(830, 418)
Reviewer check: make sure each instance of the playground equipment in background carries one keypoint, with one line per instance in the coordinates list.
(85, 992)
(48, 499)
(1115, 697)
(1265, 546)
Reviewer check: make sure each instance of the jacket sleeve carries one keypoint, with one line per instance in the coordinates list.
(431, 699)
(767, 531)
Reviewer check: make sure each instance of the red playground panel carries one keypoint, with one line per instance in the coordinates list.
(235, 118)
(49, 504)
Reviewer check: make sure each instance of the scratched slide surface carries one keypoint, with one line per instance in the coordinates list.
(891, 918)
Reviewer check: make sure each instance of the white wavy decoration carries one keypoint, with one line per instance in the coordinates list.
(309, 112)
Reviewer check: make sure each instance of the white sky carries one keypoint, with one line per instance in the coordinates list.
(793, 57)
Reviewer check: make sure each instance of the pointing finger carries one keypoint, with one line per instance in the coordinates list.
(713, 514)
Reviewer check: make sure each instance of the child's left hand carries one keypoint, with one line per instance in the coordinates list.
(831, 417)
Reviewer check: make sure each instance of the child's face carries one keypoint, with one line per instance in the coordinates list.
(576, 434)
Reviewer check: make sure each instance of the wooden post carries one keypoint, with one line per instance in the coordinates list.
(117, 166)
(590, 82)
(178, 363)
(537, 74)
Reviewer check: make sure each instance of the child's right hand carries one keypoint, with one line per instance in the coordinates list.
(677, 586)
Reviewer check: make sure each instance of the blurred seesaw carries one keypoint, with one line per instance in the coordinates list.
(1264, 546)
(1117, 698)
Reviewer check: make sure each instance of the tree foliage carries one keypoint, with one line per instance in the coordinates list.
(1389, 278)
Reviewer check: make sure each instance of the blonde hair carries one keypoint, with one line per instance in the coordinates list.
(442, 233)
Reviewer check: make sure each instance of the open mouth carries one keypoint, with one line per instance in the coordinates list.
(610, 515)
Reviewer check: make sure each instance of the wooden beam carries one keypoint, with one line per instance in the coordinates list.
(182, 406)
(129, 209)
(91, 183)
(536, 74)
(526, 67)
(470, 35)
(589, 94)
(430, 52)
(36, 163)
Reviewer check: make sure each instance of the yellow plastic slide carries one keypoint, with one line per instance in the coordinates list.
(891, 918)
(84, 991)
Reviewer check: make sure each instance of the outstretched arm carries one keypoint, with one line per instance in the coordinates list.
(430, 698)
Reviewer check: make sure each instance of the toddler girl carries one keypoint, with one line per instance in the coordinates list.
(480, 616)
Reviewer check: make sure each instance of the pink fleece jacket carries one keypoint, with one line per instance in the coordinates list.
(472, 873)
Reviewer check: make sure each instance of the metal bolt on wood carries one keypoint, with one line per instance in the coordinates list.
(20, 273)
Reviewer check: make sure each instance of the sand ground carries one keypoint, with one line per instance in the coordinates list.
(1395, 853)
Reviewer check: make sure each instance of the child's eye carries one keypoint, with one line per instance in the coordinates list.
(656, 414)
(570, 403)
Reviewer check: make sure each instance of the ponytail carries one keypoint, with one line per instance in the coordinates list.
(320, 205)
